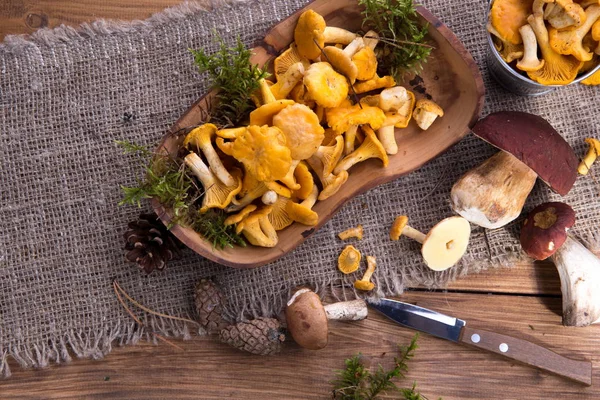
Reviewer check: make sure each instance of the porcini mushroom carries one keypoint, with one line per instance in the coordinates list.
(216, 193)
(426, 112)
(365, 283)
(590, 157)
(443, 246)
(325, 86)
(530, 60)
(307, 317)
(493, 194)
(341, 60)
(570, 41)
(543, 235)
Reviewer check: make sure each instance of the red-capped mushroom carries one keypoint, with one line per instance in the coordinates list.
(493, 194)
(544, 234)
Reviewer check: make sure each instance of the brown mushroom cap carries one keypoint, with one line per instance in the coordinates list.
(544, 230)
(535, 142)
(307, 320)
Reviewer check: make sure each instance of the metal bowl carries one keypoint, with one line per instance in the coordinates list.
(512, 80)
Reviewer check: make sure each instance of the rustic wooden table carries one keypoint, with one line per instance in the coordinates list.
(523, 301)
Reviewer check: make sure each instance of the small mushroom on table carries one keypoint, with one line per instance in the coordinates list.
(443, 246)
(543, 235)
(493, 194)
(307, 317)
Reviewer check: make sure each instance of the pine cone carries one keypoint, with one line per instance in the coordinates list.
(149, 243)
(262, 336)
(209, 304)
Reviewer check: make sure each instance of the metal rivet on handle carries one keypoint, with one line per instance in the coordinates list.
(503, 347)
(475, 338)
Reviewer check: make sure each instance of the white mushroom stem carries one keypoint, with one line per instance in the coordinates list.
(349, 139)
(579, 271)
(332, 34)
(353, 310)
(354, 46)
(387, 137)
(200, 169)
(530, 60)
(413, 234)
(371, 39)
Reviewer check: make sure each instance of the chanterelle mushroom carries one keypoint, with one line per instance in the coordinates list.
(307, 317)
(570, 41)
(543, 235)
(443, 246)
(558, 69)
(530, 60)
(325, 86)
(493, 194)
(201, 138)
(507, 16)
(216, 193)
(263, 152)
(590, 157)
(341, 60)
(349, 259)
(302, 130)
(365, 283)
(370, 148)
(562, 14)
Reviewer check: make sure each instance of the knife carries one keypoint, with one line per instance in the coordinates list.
(455, 330)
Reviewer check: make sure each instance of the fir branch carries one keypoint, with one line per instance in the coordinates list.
(403, 42)
(234, 77)
(358, 383)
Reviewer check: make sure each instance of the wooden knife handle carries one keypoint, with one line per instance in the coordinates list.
(528, 353)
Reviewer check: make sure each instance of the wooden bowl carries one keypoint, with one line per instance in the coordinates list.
(450, 77)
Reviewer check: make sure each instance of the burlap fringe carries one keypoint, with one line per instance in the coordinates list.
(84, 343)
(66, 34)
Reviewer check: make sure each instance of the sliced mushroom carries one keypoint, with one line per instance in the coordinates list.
(443, 246)
(426, 112)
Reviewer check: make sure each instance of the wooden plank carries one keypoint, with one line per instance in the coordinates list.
(210, 370)
(19, 16)
(522, 278)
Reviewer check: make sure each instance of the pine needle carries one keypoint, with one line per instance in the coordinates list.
(137, 320)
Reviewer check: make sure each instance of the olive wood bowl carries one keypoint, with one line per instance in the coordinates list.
(450, 77)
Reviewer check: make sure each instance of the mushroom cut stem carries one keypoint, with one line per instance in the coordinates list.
(354, 310)
(579, 271)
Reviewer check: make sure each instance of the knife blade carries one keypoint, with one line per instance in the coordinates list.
(455, 330)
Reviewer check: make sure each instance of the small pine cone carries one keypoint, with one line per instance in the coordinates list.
(262, 336)
(149, 243)
(209, 304)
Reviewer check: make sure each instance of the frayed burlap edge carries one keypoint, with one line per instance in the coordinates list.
(89, 343)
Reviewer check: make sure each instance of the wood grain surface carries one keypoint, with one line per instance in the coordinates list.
(523, 302)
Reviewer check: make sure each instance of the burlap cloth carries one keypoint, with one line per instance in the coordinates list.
(67, 95)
